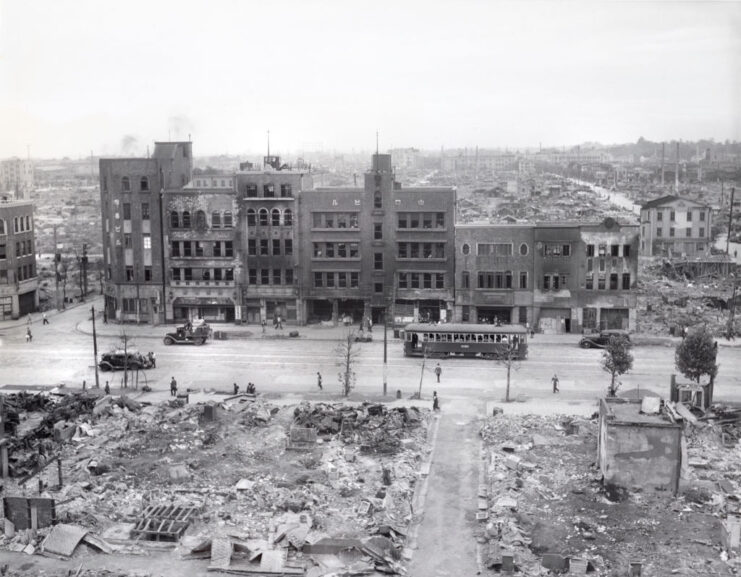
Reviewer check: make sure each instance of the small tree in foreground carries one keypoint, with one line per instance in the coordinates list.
(696, 355)
(347, 351)
(616, 360)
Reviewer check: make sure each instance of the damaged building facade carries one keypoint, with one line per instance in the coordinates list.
(19, 282)
(676, 227)
(382, 245)
(267, 201)
(558, 277)
(134, 233)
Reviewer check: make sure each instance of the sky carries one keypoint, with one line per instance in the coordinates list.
(79, 76)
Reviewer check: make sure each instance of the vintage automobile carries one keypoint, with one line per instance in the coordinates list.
(195, 333)
(119, 360)
(600, 340)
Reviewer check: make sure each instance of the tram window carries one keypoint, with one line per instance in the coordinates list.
(455, 338)
(480, 338)
(499, 338)
(505, 339)
(515, 340)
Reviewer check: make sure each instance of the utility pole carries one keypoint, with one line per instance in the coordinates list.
(730, 223)
(95, 349)
(385, 351)
(57, 258)
(663, 154)
(84, 268)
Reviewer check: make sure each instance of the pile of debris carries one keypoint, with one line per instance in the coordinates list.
(543, 505)
(372, 426)
(173, 472)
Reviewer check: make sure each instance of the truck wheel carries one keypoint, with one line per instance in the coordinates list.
(105, 367)
(168, 340)
(585, 345)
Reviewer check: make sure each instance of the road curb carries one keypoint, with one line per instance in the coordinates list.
(420, 495)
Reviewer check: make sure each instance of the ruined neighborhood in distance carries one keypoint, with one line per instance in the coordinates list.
(397, 289)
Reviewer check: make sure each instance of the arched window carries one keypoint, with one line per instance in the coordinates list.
(251, 217)
(2, 226)
(126, 184)
(228, 219)
(201, 223)
(144, 184)
(215, 219)
(288, 217)
(276, 217)
(186, 219)
(174, 219)
(263, 217)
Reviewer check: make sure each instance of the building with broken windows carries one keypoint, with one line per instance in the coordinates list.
(267, 202)
(676, 227)
(382, 245)
(559, 277)
(18, 278)
(134, 233)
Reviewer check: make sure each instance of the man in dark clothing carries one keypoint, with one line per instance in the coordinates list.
(107, 388)
(173, 387)
(319, 380)
(236, 389)
(435, 402)
(438, 372)
(554, 380)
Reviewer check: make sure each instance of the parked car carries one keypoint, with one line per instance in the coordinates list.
(600, 340)
(195, 333)
(117, 361)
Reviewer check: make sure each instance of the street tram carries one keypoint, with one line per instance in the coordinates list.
(465, 340)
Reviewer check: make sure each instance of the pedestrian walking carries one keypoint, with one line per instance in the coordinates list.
(29, 336)
(236, 389)
(152, 359)
(319, 380)
(370, 325)
(435, 401)
(107, 388)
(173, 387)
(45, 320)
(554, 380)
(279, 323)
(264, 324)
(438, 372)
(105, 317)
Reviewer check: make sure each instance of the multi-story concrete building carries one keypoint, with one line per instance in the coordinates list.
(366, 249)
(267, 203)
(16, 176)
(201, 256)
(134, 233)
(675, 227)
(494, 273)
(18, 280)
(558, 277)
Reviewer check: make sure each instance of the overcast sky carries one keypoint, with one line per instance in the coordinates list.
(111, 77)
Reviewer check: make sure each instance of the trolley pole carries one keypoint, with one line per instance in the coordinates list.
(95, 349)
(57, 258)
(730, 222)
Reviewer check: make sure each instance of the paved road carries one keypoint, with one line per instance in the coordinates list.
(60, 352)
(445, 543)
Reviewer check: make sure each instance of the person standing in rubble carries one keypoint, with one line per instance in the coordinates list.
(173, 387)
(29, 336)
(319, 380)
(554, 380)
(438, 372)
(236, 389)
(107, 388)
(435, 401)
(264, 324)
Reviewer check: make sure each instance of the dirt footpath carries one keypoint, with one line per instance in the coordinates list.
(445, 543)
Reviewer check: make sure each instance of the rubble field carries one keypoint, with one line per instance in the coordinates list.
(257, 488)
(669, 300)
(546, 503)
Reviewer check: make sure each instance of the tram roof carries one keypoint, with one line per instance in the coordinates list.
(466, 328)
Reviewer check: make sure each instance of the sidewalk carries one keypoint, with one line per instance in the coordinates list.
(37, 317)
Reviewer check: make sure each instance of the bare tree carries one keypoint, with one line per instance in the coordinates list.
(347, 353)
(616, 360)
(508, 357)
